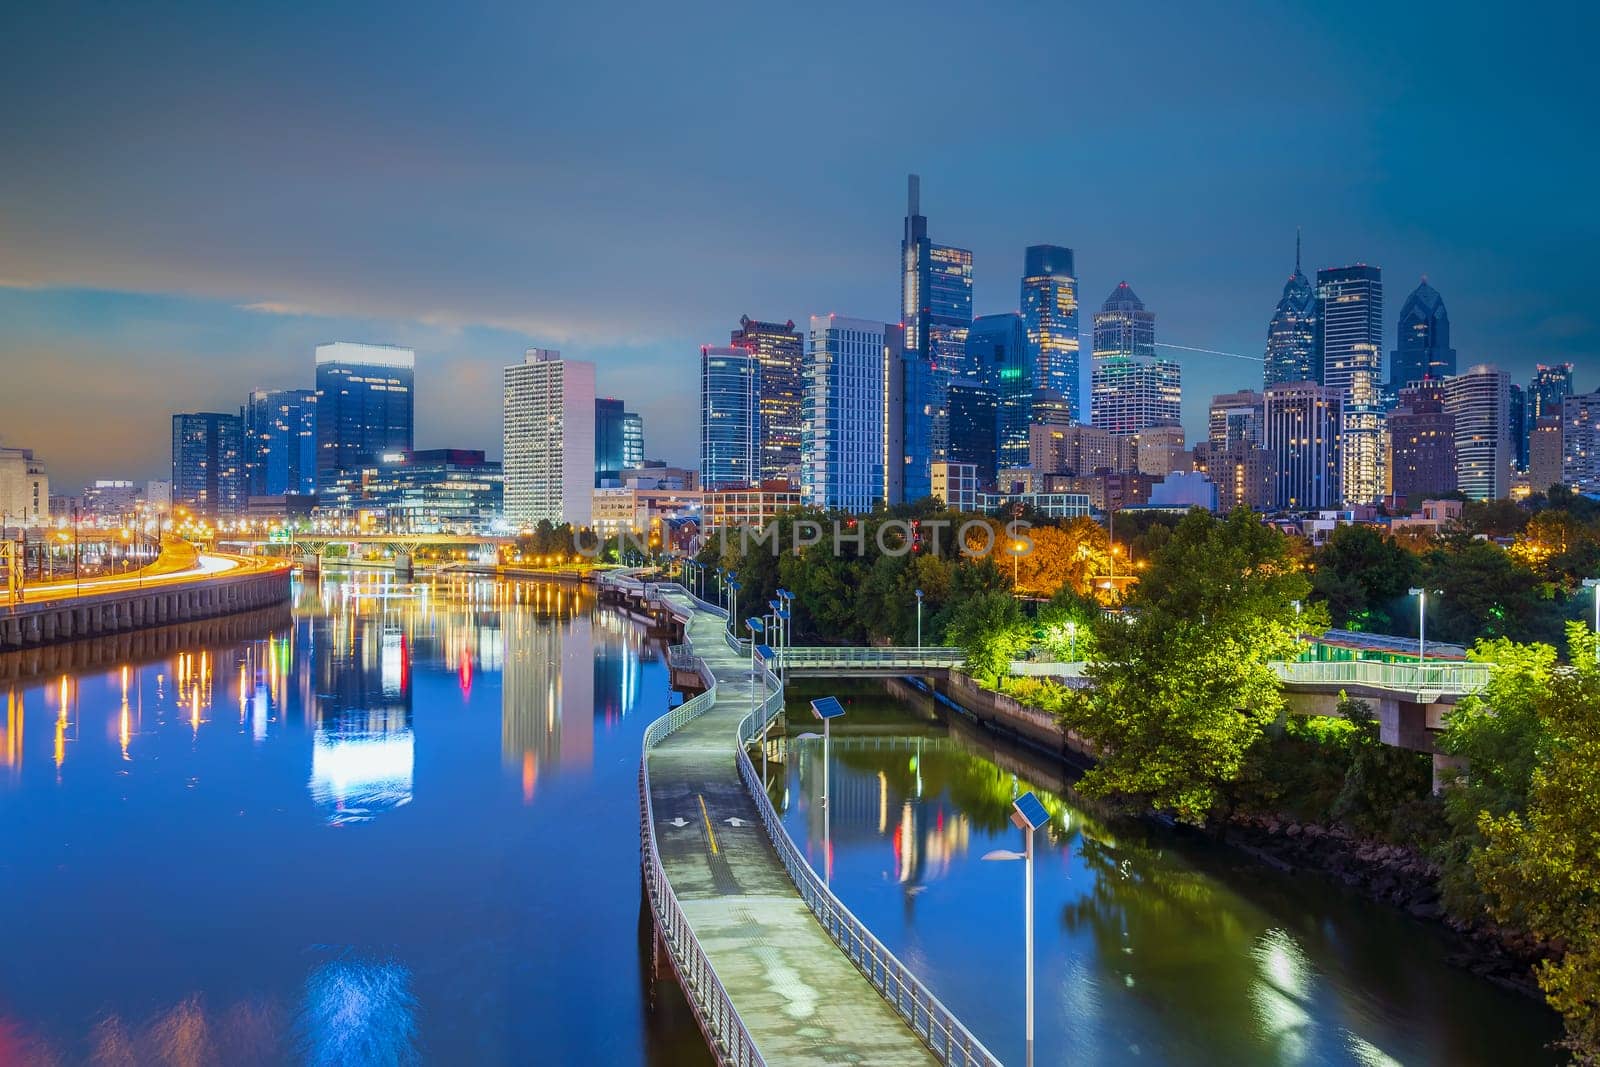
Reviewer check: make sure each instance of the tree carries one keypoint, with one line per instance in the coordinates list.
(1486, 593)
(1064, 557)
(1182, 685)
(1360, 573)
(990, 628)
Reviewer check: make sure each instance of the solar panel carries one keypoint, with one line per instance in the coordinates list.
(827, 708)
(754, 624)
(1029, 807)
(764, 651)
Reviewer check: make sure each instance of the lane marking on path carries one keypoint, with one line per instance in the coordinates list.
(710, 833)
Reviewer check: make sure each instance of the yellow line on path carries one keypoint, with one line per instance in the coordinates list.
(712, 834)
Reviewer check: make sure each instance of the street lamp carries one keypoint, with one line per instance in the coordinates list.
(1027, 814)
(919, 620)
(1422, 621)
(1016, 555)
(1594, 583)
(1072, 641)
(826, 709)
(733, 603)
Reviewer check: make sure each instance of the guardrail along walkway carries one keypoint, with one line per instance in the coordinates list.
(799, 997)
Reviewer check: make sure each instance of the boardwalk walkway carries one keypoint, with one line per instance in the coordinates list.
(799, 996)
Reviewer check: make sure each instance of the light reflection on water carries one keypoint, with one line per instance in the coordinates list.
(344, 838)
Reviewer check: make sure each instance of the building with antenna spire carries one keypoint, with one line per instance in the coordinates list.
(1293, 346)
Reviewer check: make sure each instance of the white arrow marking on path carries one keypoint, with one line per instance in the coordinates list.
(680, 822)
(736, 822)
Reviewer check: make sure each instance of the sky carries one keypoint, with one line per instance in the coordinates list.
(194, 195)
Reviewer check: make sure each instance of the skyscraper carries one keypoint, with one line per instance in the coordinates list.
(608, 462)
(973, 435)
(1350, 318)
(208, 474)
(281, 442)
(632, 440)
(1293, 353)
(1050, 322)
(1132, 388)
(1517, 423)
(1302, 421)
(730, 417)
(780, 349)
(846, 443)
(1550, 386)
(997, 352)
(1236, 418)
(936, 307)
(1480, 400)
(1422, 443)
(549, 441)
(1422, 345)
(1580, 442)
(365, 397)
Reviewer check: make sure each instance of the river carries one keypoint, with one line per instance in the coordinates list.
(401, 826)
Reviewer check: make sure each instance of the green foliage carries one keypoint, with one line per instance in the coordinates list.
(990, 628)
(1486, 593)
(1362, 573)
(1182, 686)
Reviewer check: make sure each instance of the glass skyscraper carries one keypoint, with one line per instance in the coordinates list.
(1350, 313)
(730, 417)
(281, 442)
(973, 430)
(632, 440)
(936, 308)
(1050, 322)
(208, 474)
(780, 348)
(1132, 388)
(1293, 352)
(365, 397)
(608, 461)
(1301, 432)
(997, 353)
(846, 437)
(1422, 342)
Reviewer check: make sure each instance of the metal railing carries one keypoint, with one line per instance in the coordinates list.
(938, 1028)
(724, 1031)
(802, 658)
(1443, 677)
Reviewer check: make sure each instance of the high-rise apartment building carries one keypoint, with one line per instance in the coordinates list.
(1350, 311)
(1422, 444)
(849, 399)
(1302, 436)
(1580, 442)
(997, 352)
(208, 473)
(1293, 352)
(1480, 400)
(632, 440)
(1241, 472)
(280, 427)
(1061, 448)
(549, 424)
(1132, 387)
(1236, 418)
(365, 407)
(780, 348)
(1545, 454)
(730, 417)
(936, 308)
(1550, 386)
(1050, 323)
(1422, 343)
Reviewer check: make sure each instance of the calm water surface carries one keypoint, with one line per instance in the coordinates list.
(402, 828)
(1150, 948)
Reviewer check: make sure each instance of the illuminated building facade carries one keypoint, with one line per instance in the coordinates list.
(1480, 400)
(1422, 444)
(1241, 472)
(730, 417)
(281, 442)
(936, 309)
(208, 474)
(997, 353)
(1236, 418)
(1050, 323)
(973, 435)
(24, 487)
(1422, 343)
(846, 437)
(548, 438)
(1580, 442)
(1293, 348)
(1132, 389)
(365, 398)
(1544, 454)
(1301, 432)
(434, 490)
(780, 349)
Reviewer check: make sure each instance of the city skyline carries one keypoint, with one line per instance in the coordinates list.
(470, 249)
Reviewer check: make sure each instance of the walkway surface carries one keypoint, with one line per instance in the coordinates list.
(801, 1000)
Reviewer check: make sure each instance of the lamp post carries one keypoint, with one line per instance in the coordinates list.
(1422, 621)
(1027, 814)
(1072, 641)
(1016, 556)
(826, 709)
(919, 620)
(733, 604)
(1594, 583)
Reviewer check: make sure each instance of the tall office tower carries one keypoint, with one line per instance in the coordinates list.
(1549, 387)
(208, 474)
(365, 407)
(1362, 454)
(632, 440)
(1544, 454)
(1517, 426)
(1422, 345)
(904, 373)
(974, 415)
(1236, 418)
(997, 352)
(846, 439)
(936, 308)
(1480, 400)
(549, 439)
(608, 462)
(1580, 442)
(1132, 388)
(730, 418)
(780, 349)
(280, 430)
(1050, 323)
(1302, 421)
(1293, 353)
(1422, 443)
(1350, 311)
